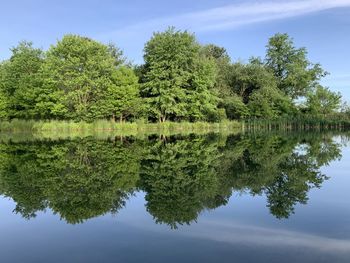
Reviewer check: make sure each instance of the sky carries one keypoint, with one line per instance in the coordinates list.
(241, 26)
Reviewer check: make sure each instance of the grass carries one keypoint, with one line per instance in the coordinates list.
(63, 129)
(56, 129)
(302, 123)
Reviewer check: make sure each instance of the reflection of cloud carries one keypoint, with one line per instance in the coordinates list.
(235, 233)
(230, 16)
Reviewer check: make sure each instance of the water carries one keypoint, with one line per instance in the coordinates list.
(216, 198)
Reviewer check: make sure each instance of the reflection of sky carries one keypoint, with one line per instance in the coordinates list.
(242, 231)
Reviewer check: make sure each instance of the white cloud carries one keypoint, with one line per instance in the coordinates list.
(231, 16)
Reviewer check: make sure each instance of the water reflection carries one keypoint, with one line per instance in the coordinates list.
(181, 176)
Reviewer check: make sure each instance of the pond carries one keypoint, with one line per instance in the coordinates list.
(262, 197)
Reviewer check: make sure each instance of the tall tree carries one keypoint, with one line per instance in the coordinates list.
(20, 81)
(175, 78)
(229, 100)
(296, 75)
(323, 101)
(121, 99)
(222, 61)
(78, 72)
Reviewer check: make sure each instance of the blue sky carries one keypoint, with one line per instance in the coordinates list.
(243, 27)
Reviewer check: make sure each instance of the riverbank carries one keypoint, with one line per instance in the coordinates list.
(60, 128)
(301, 123)
(72, 128)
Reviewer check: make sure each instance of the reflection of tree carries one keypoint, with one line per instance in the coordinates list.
(179, 180)
(181, 176)
(323, 149)
(296, 176)
(96, 178)
(275, 167)
(24, 176)
(77, 180)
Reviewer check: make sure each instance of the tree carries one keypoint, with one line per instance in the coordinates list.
(222, 60)
(174, 77)
(20, 82)
(3, 98)
(323, 101)
(247, 78)
(295, 74)
(234, 107)
(117, 54)
(179, 179)
(201, 98)
(229, 100)
(78, 72)
(122, 98)
(270, 103)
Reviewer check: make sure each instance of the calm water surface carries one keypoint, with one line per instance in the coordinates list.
(215, 198)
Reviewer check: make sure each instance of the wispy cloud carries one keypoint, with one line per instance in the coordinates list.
(237, 233)
(231, 16)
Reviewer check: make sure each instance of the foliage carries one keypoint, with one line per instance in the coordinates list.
(296, 75)
(121, 99)
(20, 82)
(323, 101)
(270, 103)
(245, 79)
(80, 79)
(177, 82)
(78, 71)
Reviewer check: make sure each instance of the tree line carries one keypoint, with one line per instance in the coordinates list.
(81, 79)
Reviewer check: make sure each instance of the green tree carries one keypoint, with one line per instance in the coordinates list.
(117, 54)
(270, 103)
(247, 78)
(201, 98)
(122, 99)
(296, 75)
(176, 83)
(3, 98)
(234, 107)
(77, 73)
(20, 82)
(229, 100)
(323, 101)
(222, 60)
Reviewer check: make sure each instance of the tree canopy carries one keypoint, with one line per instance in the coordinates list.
(178, 81)
(79, 78)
